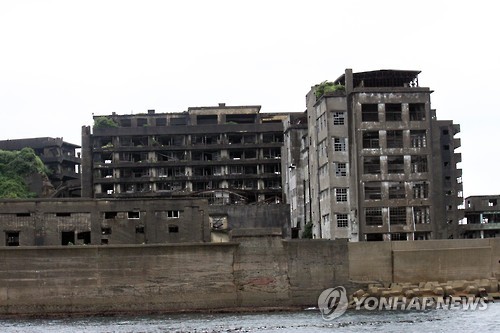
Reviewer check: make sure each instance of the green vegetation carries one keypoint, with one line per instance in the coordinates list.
(308, 231)
(104, 122)
(14, 167)
(326, 87)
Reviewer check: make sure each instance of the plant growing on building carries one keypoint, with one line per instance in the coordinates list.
(327, 87)
(307, 233)
(104, 122)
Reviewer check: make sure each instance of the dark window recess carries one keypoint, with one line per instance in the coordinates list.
(393, 112)
(417, 111)
(397, 215)
(12, 238)
(142, 122)
(134, 215)
(371, 165)
(23, 214)
(369, 112)
(161, 122)
(139, 230)
(206, 119)
(397, 190)
(106, 231)
(241, 118)
(400, 236)
(373, 191)
(173, 228)
(374, 237)
(63, 214)
(178, 121)
(110, 215)
(126, 123)
(104, 241)
(84, 236)
(395, 164)
(371, 139)
(373, 216)
(67, 238)
(394, 139)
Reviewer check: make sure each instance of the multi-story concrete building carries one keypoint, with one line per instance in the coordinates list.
(482, 217)
(59, 156)
(78, 221)
(380, 166)
(230, 155)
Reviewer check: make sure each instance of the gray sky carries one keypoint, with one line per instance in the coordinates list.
(61, 61)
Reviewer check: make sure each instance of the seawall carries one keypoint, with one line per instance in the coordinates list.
(257, 269)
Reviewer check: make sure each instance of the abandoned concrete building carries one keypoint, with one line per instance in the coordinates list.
(482, 217)
(61, 159)
(44, 222)
(374, 163)
(230, 155)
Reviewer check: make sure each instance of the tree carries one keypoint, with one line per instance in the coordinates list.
(104, 122)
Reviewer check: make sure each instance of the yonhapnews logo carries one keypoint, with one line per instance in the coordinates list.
(333, 303)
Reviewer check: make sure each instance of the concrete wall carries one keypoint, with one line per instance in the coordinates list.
(257, 269)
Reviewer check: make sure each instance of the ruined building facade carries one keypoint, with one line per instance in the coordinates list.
(61, 159)
(482, 217)
(376, 164)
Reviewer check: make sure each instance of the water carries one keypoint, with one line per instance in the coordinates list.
(283, 322)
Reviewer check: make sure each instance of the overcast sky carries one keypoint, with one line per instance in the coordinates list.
(61, 61)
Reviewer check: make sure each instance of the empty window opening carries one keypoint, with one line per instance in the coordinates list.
(272, 153)
(170, 140)
(418, 139)
(395, 164)
(422, 236)
(341, 194)
(105, 231)
(373, 216)
(371, 139)
(241, 118)
(63, 214)
(178, 121)
(492, 202)
(139, 229)
(23, 214)
(396, 190)
(374, 237)
(110, 215)
(393, 112)
(172, 229)
(446, 132)
(419, 164)
(394, 139)
(397, 215)
(421, 215)
(104, 241)
(67, 238)
(342, 220)
(338, 118)
(142, 122)
(339, 144)
(270, 168)
(208, 139)
(340, 169)
(446, 147)
(133, 214)
(369, 112)
(12, 238)
(417, 111)
(371, 165)
(206, 119)
(127, 122)
(161, 121)
(272, 138)
(421, 190)
(83, 237)
(107, 189)
(173, 214)
(373, 191)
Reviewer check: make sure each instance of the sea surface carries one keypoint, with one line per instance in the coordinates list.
(284, 322)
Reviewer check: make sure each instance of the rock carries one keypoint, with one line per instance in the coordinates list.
(439, 291)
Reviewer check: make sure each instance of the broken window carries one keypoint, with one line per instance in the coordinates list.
(173, 229)
(271, 152)
(67, 238)
(394, 139)
(399, 236)
(418, 139)
(371, 139)
(417, 111)
(107, 189)
(218, 222)
(341, 194)
(373, 216)
(340, 169)
(393, 112)
(421, 215)
(201, 186)
(338, 118)
(12, 238)
(373, 191)
(421, 190)
(342, 220)
(371, 165)
(272, 138)
(369, 112)
(84, 237)
(395, 164)
(397, 215)
(133, 214)
(272, 168)
(339, 144)
(272, 184)
(419, 163)
(396, 190)
(174, 214)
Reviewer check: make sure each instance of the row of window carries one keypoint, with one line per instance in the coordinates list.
(341, 219)
(395, 164)
(392, 112)
(395, 139)
(340, 194)
(374, 216)
(396, 190)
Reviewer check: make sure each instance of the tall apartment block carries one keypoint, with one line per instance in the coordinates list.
(59, 156)
(227, 154)
(379, 164)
